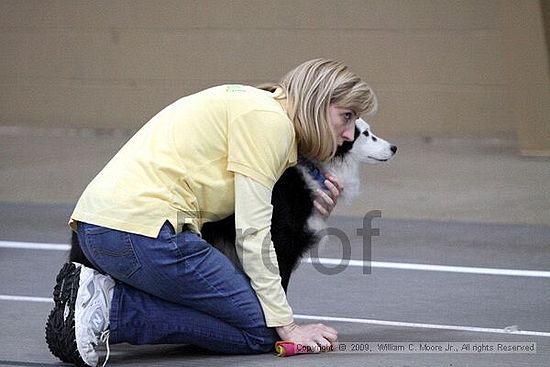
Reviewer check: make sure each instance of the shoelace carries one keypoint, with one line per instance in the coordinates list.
(104, 338)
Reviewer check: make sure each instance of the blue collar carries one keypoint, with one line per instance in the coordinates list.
(314, 172)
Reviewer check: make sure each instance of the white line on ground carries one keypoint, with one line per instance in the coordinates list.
(336, 262)
(473, 329)
(429, 267)
(35, 246)
(423, 326)
(5, 297)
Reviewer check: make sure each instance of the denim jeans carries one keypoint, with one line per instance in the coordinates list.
(176, 289)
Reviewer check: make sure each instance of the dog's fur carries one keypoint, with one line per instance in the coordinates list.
(295, 222)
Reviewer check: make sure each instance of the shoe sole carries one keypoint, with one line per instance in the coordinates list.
(60, 327)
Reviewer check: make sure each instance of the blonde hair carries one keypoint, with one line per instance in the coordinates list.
(309, 90)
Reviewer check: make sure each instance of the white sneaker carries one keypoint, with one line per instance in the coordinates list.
(79, 322)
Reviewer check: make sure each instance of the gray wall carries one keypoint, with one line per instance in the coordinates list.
(440, 67)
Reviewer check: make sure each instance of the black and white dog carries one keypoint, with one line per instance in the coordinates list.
(295, 224)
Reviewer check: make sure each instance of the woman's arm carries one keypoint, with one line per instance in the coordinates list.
(253, 212)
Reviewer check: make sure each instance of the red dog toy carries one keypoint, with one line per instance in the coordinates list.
(286, 349)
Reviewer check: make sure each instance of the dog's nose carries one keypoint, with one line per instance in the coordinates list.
(393, 148)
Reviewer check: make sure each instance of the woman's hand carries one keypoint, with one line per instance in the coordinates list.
(315, 337)
(326, 201)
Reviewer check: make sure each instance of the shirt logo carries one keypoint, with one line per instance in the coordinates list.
(235, 88)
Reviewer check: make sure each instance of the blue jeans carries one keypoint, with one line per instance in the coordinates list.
(176, 289)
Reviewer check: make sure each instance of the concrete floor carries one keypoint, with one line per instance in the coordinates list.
(473, 204)
(459, 180)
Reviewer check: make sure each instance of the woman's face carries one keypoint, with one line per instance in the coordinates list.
(342, 121)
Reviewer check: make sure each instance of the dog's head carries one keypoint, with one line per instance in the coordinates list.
(367, 147)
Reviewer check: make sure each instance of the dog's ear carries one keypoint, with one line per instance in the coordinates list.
(362, 125)
(357, 133)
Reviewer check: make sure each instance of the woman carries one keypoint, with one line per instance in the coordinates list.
(202, 158)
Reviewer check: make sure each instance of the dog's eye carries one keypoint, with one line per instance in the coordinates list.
(366, 133)
(374, 138)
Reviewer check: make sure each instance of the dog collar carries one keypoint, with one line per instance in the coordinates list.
(314, 172)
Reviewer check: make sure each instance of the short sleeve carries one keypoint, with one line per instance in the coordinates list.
(261, 145)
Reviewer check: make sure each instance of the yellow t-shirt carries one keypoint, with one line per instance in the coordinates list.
(180, 165)
(185, 166)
